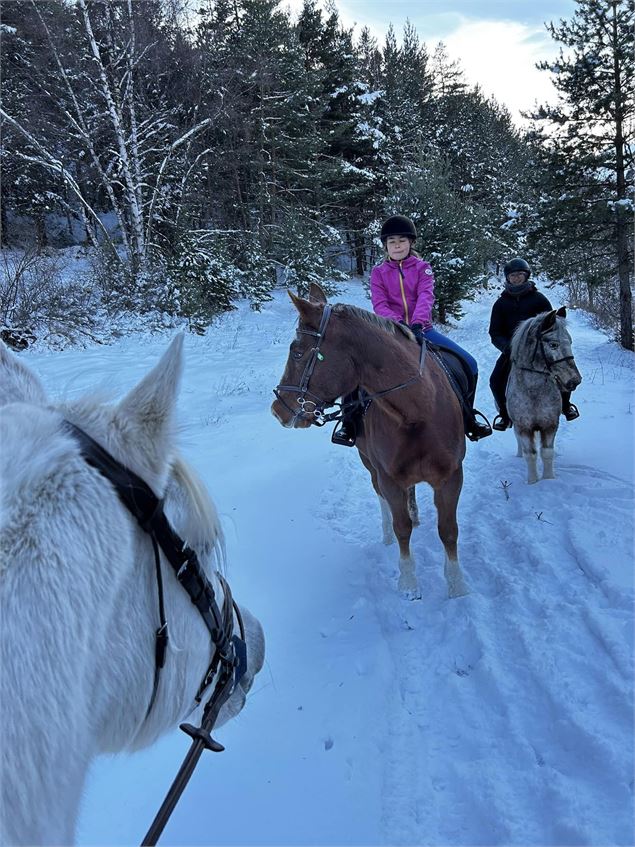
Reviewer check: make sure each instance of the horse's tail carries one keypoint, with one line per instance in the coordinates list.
(203, 529)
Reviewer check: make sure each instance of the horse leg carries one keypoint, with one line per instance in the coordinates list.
(397, 499)
(547, 438)
(519, 451)
(413, 508)
(446, 499)
(527, 443)
(388, 536)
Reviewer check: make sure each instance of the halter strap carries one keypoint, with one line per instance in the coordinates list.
(549, 364)
(230, 653)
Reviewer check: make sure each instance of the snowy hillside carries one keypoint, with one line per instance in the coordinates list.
(504, 717)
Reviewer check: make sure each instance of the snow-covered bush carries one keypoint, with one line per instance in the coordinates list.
(38, 300)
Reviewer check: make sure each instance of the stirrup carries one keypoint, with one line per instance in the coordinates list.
(477, 429)
(501, 423)
(340, 436)
(571, 413)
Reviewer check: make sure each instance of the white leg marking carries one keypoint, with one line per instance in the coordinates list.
(454, 578)
(547, 454)
(408, 578)
(386, 522)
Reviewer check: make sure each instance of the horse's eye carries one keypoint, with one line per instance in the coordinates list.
(297, 354)
(554, 345)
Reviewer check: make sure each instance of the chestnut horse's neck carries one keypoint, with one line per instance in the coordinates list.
(386, 358)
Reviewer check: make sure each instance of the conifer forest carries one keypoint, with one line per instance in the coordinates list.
(195, 153)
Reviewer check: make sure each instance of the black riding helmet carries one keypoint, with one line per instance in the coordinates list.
(515, 265)
(398, 225)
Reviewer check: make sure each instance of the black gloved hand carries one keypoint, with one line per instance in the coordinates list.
(417, 331)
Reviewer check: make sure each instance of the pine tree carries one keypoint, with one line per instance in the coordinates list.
(589, 143)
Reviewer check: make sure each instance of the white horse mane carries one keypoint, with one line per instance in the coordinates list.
(78, 594)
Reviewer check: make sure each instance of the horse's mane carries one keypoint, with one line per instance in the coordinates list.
(387, 325)
(524, 332)
(201, 527)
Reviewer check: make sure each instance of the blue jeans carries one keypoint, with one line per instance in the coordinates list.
(436, 337)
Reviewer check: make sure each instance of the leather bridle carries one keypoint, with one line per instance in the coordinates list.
(316, 414)
(229, 659)
(549, 363)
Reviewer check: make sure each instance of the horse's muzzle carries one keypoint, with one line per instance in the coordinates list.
(289, 419)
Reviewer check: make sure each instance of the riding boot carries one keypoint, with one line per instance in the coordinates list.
(569, 409)
(501, 421)
(498, 385)
(474, 429)
(346, 433)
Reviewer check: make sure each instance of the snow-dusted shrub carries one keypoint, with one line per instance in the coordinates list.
(304, 253)
(454, 233)
(40, 300)
(200, 279)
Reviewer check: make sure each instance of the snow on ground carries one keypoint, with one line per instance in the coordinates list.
(504, 717)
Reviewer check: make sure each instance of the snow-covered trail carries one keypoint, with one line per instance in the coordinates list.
(504, 717)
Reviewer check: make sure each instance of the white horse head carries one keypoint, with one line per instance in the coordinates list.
(78, 594)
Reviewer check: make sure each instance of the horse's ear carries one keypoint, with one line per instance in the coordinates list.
(150, 405)
(18, 383)
(316, 294)
(562, 312)
(310, 313)
(548, 321)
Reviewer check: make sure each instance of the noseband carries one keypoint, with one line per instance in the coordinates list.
(316, 414)
(229, 660)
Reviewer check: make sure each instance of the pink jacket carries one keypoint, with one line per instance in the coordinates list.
(403, 291)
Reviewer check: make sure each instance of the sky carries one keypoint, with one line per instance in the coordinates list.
(504, 717)
(497, 41)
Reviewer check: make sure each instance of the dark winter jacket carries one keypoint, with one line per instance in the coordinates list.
(510, 309)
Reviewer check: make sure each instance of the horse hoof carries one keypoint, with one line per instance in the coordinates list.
(459, 589)
(409, 588)
(411, 593)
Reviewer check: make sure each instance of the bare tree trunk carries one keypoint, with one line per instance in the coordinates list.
(4, 223)
(41, 238)
(621, 225)
(126, 155)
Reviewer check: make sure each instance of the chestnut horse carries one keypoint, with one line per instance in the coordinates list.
(413, 429)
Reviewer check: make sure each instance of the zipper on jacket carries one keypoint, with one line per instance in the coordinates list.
(403, 293)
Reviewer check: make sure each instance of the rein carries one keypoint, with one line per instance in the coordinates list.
(229, 660)
(318, 415)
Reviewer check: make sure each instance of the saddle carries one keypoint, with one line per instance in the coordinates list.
(460, 377)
